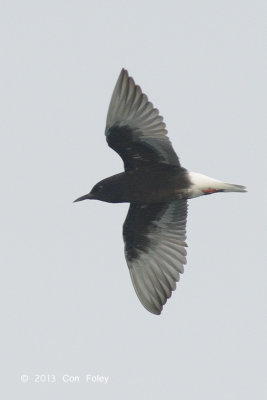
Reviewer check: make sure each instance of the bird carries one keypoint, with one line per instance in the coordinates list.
(157, 188)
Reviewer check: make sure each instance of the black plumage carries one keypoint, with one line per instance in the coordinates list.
(157, 188)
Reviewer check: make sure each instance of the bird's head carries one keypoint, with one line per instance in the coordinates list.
(97, 193)
(114, 189)
(110, 190)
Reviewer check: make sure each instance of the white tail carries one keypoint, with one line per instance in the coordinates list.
(202, 184)
(230, 187)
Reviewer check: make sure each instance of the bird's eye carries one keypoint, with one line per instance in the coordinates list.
(100, 187)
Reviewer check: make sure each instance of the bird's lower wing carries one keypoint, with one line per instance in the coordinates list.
(154, 237)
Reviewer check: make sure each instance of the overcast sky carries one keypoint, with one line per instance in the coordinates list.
(68, 305)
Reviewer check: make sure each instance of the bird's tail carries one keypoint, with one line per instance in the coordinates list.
(202, 184)
(230, 187)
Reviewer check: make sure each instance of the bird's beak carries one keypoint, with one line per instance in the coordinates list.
(85, 197)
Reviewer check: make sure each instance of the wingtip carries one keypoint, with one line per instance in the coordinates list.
(154, 310)
(124, 72)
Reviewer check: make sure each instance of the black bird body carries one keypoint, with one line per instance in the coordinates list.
(156, 184)
(157, 188)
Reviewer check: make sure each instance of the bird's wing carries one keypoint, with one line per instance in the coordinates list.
(134, 128)
(154, 237)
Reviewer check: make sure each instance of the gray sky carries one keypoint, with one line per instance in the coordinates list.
(68, 305)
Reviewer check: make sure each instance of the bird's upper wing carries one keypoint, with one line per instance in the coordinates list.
(154, 237)
(134, 128)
